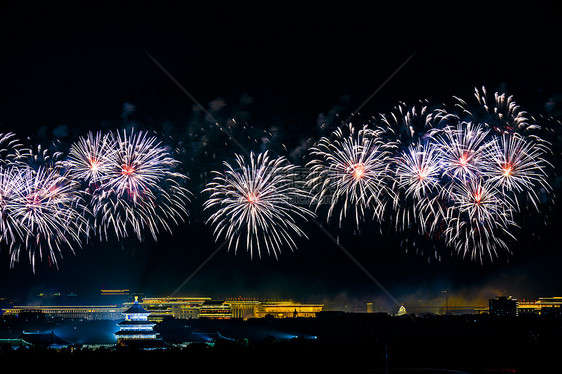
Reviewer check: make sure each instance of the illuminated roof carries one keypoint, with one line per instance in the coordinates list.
(136, 308)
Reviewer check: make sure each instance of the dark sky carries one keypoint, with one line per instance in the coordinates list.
(77, 63)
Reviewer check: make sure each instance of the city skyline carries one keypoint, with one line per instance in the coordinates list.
(273, 73)
(446, 304)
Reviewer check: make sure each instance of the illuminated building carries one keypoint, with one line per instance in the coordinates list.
(243, 308)
(70, 312)
(173, 307)
(160, 308)
(205, 307)
(136, 326)
(215, 309)
(503, 306)
(287, 309)
(547, 306)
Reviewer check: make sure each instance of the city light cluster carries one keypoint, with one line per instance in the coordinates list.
(461, 176)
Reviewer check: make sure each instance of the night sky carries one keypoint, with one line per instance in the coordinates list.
(69, 68)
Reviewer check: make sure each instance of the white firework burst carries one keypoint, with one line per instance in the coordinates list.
(350, 172)
(258, 202)
(518, 166)
(464, 149)
(479, 219)
(42, 212)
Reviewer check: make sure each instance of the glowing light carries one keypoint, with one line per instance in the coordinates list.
(94, 165)
(464, 149)
(507, 169)
(463, 161)
(252, 198)
(477, 197)
(358, 171)
(127, 170)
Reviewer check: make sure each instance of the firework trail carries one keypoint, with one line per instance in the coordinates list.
(258, 202)
(490, 160)
(349, 173)
(110, 184)
(500, 113)
(12, 150)
(406, 124)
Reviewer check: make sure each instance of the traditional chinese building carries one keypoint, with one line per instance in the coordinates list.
(137, 331)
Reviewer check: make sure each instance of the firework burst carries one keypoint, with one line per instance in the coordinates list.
(418, 170)
(10, 179)
(133, 183)
(480, 216)
(349, 173)
(464, 149)
(258, 202)
(518, 166)
(463, 175)
(89, 158)
(42, 212)
(418, 188)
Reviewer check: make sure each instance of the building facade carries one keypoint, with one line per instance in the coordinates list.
(287, 309)
(546, 306)
(243, 308)
(173, 307)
